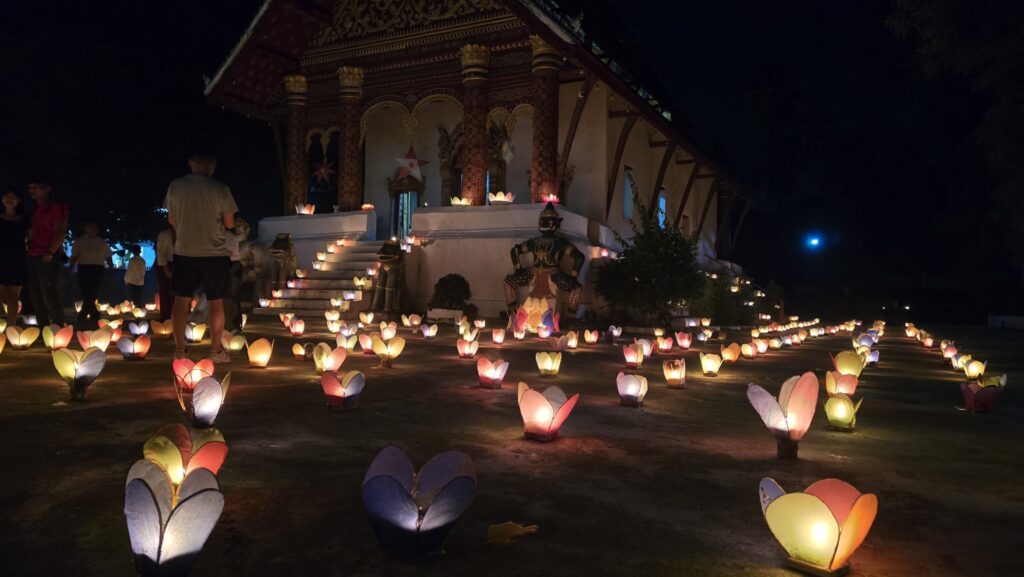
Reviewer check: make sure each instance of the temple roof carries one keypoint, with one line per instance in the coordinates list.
(291, 36)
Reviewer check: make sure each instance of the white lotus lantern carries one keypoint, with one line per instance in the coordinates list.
(79, 369)
(645, 345)
(194, 332)
(632, 389)
(139, 328)
(428, 331)
(789, 417)
(500, 197)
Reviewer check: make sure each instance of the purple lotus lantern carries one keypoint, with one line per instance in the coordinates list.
(410, 512)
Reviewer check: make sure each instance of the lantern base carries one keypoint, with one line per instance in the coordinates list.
(707, 374)
(805, 567)
(133, 358)
(490, 385)
(677, 384)
(540, 437)
(787, 449)
(548, 375)
(384, 364)
(77, 394)
(627, 402)
(343, 403)
(841, 428)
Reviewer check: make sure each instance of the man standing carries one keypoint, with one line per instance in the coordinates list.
(201, 210)
(91, 254)
(49, 223)
(232, 306)
(164, 258)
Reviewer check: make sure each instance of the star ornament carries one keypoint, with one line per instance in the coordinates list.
(410, 166)
(324, 171)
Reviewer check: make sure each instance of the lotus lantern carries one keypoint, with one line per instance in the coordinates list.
(344, 392)
(789, 416)
(498, 336)
(134, 349)
(842, 412)
(466, 349)
(710, 364)
(79, 369)
(981, 395)
(491, 374)
(548, 363)
(675, 373)
(428, 331)
(590, 337)
(259, 352)
(632, 389)
(544, 414)
(55, 337)
(634, 355)
(684, 340)
(388, 350)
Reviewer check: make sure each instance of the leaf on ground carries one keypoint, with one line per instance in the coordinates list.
(508, 532)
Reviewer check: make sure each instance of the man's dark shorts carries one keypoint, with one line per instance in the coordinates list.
(210, 272)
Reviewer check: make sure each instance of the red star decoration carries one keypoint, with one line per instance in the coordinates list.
(324, 171)
(410, 166)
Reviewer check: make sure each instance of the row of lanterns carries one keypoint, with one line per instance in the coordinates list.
(980, 391)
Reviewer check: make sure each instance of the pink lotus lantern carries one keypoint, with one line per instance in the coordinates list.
(466, 349)
(544, 413)
(632, 389)
(634, 355)
(837, 383)
(591, 337)
(822, 527)
(491, 373)
(366, 344)
(789, 417)
(981, 395)
(519, 333)
(343, 393)
(187, 374)
(297, 327)
(664, 344)
(134, 350)
(56, 338)
(684, 340)
(543, 331)
(498, 336)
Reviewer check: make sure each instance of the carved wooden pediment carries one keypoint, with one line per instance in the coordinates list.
(360, 18)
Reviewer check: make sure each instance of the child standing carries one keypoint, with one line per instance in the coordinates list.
(135, 275)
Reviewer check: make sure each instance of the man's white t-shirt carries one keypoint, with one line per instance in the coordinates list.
(135, 272)
(196, 205)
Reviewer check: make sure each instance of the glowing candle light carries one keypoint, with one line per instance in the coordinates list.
(548, 363)
(632, 389)
(491, 374)
(259, 352)
(634, 355)
(498, 336)
(544, 413)
(675, 373)
(710, 364)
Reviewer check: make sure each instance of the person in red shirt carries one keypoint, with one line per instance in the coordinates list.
(48, 225)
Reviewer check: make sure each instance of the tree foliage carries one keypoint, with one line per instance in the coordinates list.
(655, 272)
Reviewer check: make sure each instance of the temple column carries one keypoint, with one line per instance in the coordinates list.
(475, 102)
(350, 176)
(296, 168)
(544, 162)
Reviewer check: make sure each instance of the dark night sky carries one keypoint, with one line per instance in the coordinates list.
(814, 106)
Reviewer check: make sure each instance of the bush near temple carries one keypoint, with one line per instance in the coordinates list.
(655, 272)
(450, 292)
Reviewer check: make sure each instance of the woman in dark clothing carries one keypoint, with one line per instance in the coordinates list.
(13, 259)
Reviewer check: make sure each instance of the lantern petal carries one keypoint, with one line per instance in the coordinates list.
(161, 450)
(157, 481)
(196, 482)
(210, 455)
(438, 472)
(768, 409)
(446, 507)
(839, 496)
(64, 361)
(392, 513)
(805, 528)
(397, 345)
(330, 384)
(207, 398)
(563, 412)
(855, 528)
(187, 530)
(799, 401)
(769, 490)
(393, 462)
(352, 383)
(145, 524)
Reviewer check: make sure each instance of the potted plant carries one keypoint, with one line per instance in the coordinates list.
(449, 301)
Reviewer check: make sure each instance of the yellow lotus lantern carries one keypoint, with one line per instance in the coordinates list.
(347, 343)
(634, 355)
(748, 351)
(571, 341)
(412, 321)
(591, 337)
(134, 350)
(388, 332)
(500, 197)
(822, 527)
(361, 282)
(842, 412)
(911, 331)
(684, 340)
(491, 374)
(194, 332)
(366, 318)
(56, 338)
(301, 352)
(332, 315)
(161, 330)
(428, 331)
(664, 344)
(498, 336)
(632, 389)
(139, 313)
(326, 359)
(675, 373)
(789, 416)
(775, 344)
(459, 201)
(760, 345)
(548, 363)
(754, 333)
(259, 352)
(79, 369)
(705, 322)
(659, 332)
(466, 349)
(848, 363)
(974, 369)
(544, 413)
(3, 340)
(232, 342)
(99, 339)
(958, 361)
(710, 364)
(388, 351)
(21, 339)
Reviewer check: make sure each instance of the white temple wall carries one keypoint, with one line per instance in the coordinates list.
(386, 139)
(586, 194)
(517, 172)
(430, 114)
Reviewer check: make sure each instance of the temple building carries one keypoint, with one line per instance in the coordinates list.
(413, 119)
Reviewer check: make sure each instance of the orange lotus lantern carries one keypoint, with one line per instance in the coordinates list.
(56, 338)
(591, 337)
(498, 336)
(99, 339)
(634, 355)
(194, 332)
(134, 350)
(788, 417)
(710, 364)
(326, 359)
(388, 351)
(344, 392)
(675, 373)
(760, 345)
(684, 340)
(491, 374)
(366, 318)
(466, 349)
(822, 527)
(305, 209)
(161, 330)
(731, 353)
(259, 352)
(297, 327)
(848, 363)
(748, 351)
(544, 413)
(664, 344)
(837, 383)
(548, 363)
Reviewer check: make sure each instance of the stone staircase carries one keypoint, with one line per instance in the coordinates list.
(309, 296)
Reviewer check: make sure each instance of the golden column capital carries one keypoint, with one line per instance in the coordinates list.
(475, 60)
(350, 79)
(296, 88)
(545, 56)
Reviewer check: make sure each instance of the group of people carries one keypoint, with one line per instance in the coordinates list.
(199, 252)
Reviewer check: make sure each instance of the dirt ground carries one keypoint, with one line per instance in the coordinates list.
(668, 489)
